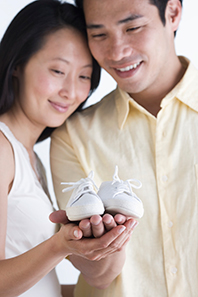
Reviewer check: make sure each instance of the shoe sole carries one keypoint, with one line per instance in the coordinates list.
(134, 210)
(78, 213)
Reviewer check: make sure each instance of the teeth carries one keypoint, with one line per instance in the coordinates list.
(128, 67)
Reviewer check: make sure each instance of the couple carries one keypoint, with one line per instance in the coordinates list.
(146, 126)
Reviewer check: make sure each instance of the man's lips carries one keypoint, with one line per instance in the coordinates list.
(130, 67)
(127, 71)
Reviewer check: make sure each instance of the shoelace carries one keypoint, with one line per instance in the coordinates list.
(83, 185)
(125, 186)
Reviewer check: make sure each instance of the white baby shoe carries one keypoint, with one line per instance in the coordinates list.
(84, 202)
(118, 197)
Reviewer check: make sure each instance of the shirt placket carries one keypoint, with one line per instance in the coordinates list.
(164, 182)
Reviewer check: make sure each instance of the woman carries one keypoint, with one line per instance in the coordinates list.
(46, 73)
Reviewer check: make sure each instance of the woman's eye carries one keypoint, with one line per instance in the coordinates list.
(98, 35)
(57, 71)
(85, 77)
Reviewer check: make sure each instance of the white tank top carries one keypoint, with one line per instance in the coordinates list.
(28, 221)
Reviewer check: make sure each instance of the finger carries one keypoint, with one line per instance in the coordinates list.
(95, 249)
(131, 224)
(120, 242)
(98, 248)
(76, 233)
(108, 221)
(120, 219)
(72, 232)
(85, 226)
(59, 217)
(97, 226)
(108, 238)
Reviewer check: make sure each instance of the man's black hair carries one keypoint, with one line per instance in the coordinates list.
(160, 4)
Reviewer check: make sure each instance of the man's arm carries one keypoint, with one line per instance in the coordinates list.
(104, 261)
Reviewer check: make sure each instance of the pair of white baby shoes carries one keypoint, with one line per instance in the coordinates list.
(113, 197)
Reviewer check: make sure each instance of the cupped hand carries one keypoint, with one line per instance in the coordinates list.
(111, 235)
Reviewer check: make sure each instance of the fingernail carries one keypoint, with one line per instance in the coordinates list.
(121, 229)
(85, 226)
(96, 222)
(108, 220)
(76, 233)
(119, 219)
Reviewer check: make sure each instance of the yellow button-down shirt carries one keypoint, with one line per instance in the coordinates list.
(162, 152)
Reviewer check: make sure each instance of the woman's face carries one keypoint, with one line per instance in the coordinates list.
(56, 80)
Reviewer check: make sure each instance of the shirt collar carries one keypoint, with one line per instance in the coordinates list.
(186, 91)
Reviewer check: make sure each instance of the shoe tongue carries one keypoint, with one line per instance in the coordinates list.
(86, 188)
(121, 188)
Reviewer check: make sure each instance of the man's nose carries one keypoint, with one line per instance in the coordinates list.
(119, 48)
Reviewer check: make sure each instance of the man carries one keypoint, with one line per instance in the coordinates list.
(147, 127)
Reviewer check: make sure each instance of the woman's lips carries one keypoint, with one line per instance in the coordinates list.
(59, 107)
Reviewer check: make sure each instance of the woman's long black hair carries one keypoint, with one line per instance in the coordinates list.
(26, 35)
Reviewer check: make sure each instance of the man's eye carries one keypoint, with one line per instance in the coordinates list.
(133, 28)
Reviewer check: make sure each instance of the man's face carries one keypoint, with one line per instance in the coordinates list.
(130, 42)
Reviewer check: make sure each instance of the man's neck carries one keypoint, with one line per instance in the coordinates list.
(151, 98)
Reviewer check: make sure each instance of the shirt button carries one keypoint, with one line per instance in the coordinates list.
(174, 270)
(164, 178)
(170, 224)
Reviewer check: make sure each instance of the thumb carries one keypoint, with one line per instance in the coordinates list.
(77, 233)
(72, 232)
(59, 217)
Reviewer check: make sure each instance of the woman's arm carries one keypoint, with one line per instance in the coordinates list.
(20, 273)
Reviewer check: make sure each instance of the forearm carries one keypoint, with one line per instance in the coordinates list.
(20, 273)
(101, 273)
(67, 290)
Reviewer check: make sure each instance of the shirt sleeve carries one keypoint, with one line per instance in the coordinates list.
(65, 164)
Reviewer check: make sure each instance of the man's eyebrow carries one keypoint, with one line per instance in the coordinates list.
(130, 18)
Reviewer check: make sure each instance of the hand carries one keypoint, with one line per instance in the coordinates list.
(88, 248)
(97, 226)
(114, 233)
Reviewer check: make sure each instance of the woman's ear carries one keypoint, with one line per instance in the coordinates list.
(16, 71)
(173, 13)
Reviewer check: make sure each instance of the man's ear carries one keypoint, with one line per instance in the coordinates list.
(173, 13)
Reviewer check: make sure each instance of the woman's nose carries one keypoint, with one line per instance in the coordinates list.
(68, 90)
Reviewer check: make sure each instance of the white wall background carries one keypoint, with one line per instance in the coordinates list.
(186, 44)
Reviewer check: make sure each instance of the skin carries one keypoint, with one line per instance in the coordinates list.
(48, 89)
(53, 83)
(131, 33)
